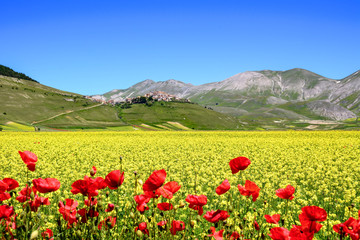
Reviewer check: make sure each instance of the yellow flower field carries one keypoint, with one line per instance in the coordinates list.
(324, 168)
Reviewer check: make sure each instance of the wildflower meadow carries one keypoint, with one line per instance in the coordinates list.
(180, 185)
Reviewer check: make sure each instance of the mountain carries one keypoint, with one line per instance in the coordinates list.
(292, 94)
(27, 105)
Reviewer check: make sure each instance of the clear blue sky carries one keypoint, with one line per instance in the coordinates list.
(92, 47)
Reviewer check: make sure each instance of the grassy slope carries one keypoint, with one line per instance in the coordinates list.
(189, 115)
(26, 101)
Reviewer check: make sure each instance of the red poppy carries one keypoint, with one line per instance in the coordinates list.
(101, 184)
(272, 219)
(114, 179)
(161, 223)
(168, 189)
(143, 228)
(256, 226)
(85, 214)
(196, 202)
(215, 216)
(279, 233)
(217, 235)
(177, 226)
(239, 163)
(37, 202)
(165, 206)
(286, 193)
(110, 207)
(141, 201)
(3, 186)
(298, 233)
(93, 171)
(107, 223)
(310, 217)
(223, 187)
(12, 183)
(25, 193)
(90, 202)
(349, 227)
(46, 185)
(156, 180)
(87, 187)
(48, 233)
(69, 210)
(6, 211)
(29, 159)
(235, 235)
(250, 189)
(4, 196)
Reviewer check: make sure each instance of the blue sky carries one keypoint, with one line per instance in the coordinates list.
(92, 47)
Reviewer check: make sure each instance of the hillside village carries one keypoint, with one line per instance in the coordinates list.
(152, 96)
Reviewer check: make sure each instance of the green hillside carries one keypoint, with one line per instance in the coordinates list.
(190, 115)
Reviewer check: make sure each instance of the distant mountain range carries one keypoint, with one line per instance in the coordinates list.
(292, 94)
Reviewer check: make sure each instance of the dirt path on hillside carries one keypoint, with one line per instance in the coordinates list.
(64, 113)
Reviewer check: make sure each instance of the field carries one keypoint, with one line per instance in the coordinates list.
(323, 167)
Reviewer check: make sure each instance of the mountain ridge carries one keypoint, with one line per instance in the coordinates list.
(254, 90)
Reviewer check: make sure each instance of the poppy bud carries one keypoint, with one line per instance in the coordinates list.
(352, 205)
(135, 172)
(198, 218)
(107, 193)
(93, 171)
(139, 233)
(181, 204)
(192, 223)
(231, 209)
(79, 233)
(140, 182)
(32, 195)
(132, 215)
(265, 202)
(34, 234)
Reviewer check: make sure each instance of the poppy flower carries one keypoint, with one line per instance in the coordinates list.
(68, 210)
(161, 223)
(114, 179)
(93, 171)
(87, 187)
(4, 196)
(279, 233)
(25, 193)
(215, 216)
(6, 211)
(286, 193)
(223, 187)
(29, 159)
(101, 184)
(196, 202)
(310, 217)
(85, 214)
(298, 233)
(12, 184)
(141, 201)
(256, 226)
(3, 186)
(250, 189)
(349, 227)
(177, 226)
(168, 190)
(46, 185)
(110, 207)
(143, 228)
(272, 219)
(155, 181)
(217, 235)
(48, 233)
(107, 223)
(165, 206)
(235, 235)
(37, 202)
(239, 163)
